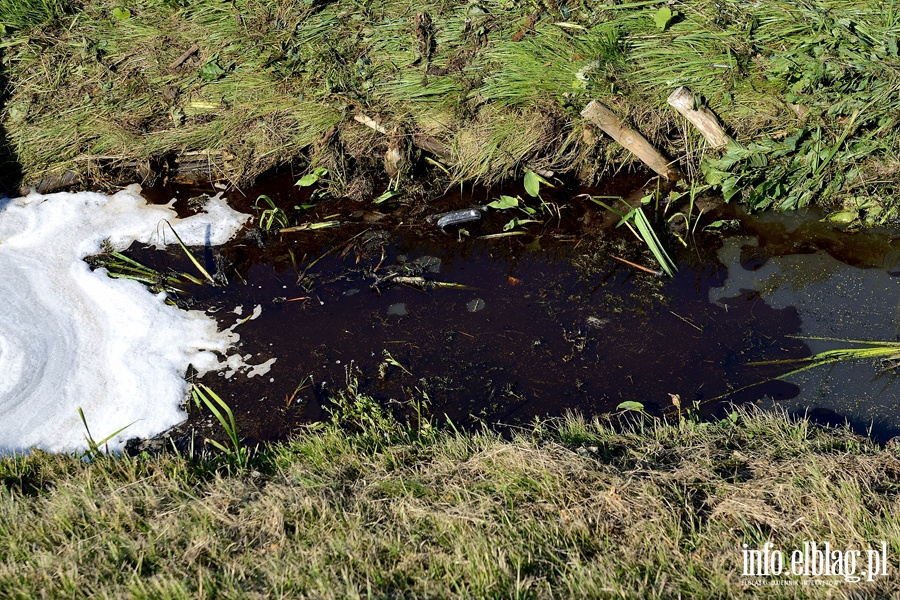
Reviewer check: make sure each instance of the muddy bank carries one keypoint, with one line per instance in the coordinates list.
(431, 95)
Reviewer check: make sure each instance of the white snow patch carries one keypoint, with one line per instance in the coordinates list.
(71, 338)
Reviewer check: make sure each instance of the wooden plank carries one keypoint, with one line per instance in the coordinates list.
(613, 126)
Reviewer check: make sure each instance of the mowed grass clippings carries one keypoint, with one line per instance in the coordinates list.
(809, 90)
(569, 509)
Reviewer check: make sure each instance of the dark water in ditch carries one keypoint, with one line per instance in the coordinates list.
(539, 324)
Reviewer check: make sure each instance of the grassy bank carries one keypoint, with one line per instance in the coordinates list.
(808, 89)
(367, 507)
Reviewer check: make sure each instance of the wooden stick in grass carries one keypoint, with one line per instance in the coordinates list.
(605, 119)
(178, 61)
(703, 119)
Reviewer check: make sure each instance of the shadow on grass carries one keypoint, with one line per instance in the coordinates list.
(10, 169)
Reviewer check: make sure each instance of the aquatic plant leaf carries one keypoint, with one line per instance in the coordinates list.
(844, 216)
(196, 263)
(722, 223)
(631, 405)
(533, 183)
(518, 222)
(387, 196)
(312, 178)
(504, 202)
(649, 237)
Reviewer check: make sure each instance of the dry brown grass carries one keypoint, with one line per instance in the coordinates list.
(569, 509)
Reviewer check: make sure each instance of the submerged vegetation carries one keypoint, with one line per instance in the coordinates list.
(475, 91)
(365, 505)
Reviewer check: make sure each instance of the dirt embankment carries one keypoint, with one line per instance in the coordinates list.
(432, 94)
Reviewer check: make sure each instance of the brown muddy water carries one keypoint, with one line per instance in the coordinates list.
(541, 323)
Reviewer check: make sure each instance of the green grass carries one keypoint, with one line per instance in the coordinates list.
(25, 14)
(884, 352)
(366, 506)
(809, 90)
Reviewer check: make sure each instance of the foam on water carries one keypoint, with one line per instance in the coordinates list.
(71, 338)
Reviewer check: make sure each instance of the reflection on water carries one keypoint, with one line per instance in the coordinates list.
(835, 300)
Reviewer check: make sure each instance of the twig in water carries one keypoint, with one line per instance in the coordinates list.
(637, 266)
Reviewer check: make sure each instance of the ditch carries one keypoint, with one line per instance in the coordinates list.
(503, 330)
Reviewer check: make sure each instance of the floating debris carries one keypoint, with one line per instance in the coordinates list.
(475, 305)
(429, 264)
(596, 322)
(456, 217)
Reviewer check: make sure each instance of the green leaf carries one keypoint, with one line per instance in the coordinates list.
(663, 17)
(517, 223)
(631, 405)
(121, 13)
(720, 224)
(387, 196)
(312, 178)
(844, 216)
(643, 226)
(532, 183)
(730, 188)
(504, 202)
(211, 71)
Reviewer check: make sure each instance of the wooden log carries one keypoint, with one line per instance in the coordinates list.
(605, 119)
(703, 119)
(53, 183)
